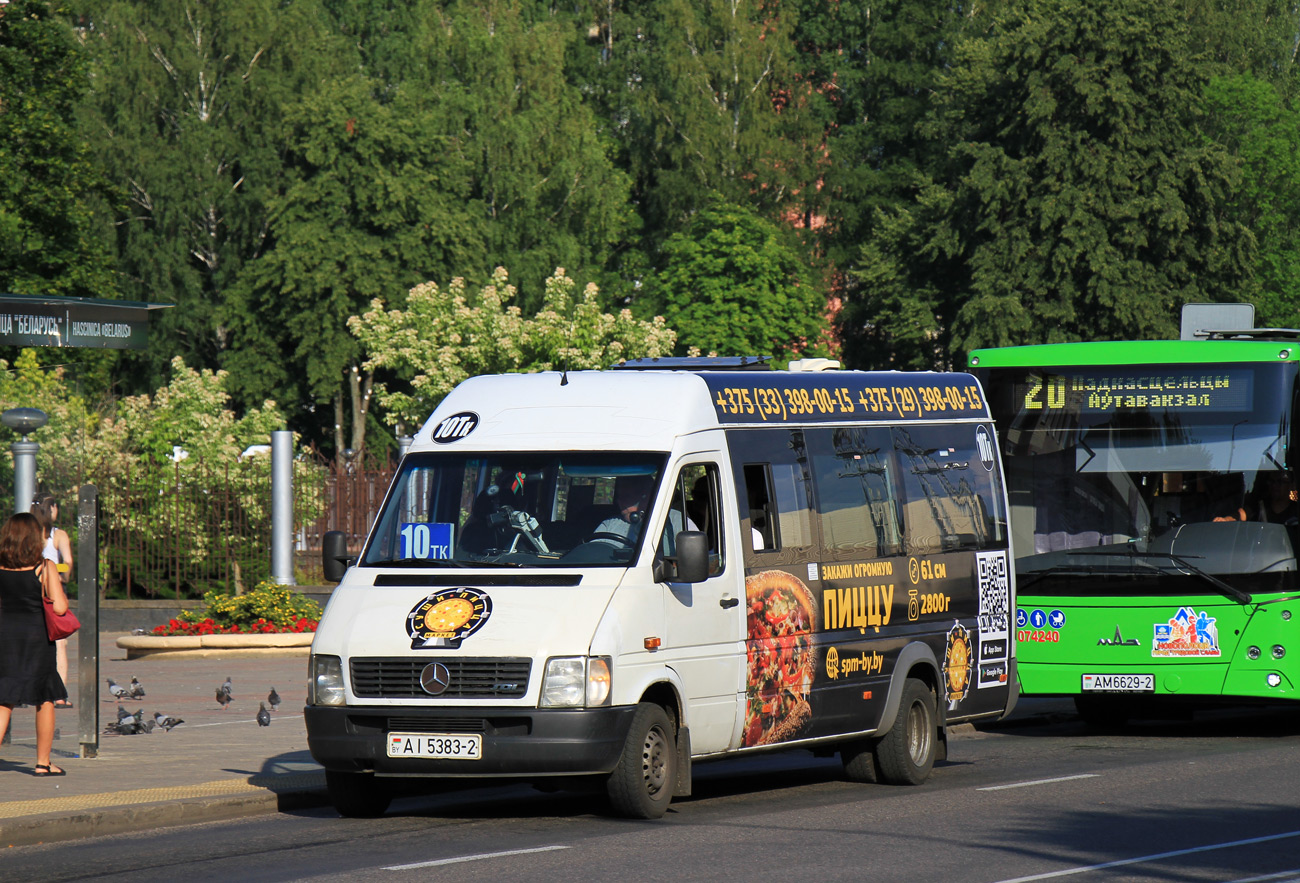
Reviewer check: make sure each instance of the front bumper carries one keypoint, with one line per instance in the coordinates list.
(517, 742)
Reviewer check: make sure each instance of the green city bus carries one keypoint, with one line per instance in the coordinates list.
(1154, 518)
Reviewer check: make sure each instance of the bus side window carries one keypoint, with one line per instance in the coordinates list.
(758, 491)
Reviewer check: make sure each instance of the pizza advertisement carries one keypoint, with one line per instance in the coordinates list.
(780, 657)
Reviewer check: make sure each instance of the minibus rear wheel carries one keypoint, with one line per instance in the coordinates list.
(906, 753)
(859, 760)
(357, 795)
(641, 785)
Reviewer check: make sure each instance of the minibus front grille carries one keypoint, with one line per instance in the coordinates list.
(399, 678)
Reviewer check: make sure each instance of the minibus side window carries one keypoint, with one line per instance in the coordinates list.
(857, 499)
(952, 500)
(771, 475)
(695, 506)
(762, 519)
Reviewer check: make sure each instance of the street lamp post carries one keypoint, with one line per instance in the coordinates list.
(24, 421)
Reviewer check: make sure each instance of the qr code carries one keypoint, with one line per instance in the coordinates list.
(994, 592)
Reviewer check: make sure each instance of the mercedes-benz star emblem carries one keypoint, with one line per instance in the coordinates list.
(435, 679)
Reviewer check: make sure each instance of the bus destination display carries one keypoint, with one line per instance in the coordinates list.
(1145, 389)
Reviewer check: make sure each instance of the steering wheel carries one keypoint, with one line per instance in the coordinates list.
(617, 537)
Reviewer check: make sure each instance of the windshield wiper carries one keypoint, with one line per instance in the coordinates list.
(1128, 552)
(1226, 588)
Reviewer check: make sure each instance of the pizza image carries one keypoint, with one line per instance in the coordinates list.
(448, 615)
(779, 657)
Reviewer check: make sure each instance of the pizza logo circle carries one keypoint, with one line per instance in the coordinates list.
(957, 662)
(447, 617)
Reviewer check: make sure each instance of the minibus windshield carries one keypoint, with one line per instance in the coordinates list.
(516, 510)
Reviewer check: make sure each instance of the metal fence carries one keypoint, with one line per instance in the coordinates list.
(182, 529)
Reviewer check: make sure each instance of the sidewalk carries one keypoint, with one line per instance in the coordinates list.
(217, 765)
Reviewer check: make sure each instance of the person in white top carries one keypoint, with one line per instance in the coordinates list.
(58, 549)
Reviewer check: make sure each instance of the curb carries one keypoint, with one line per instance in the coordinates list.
(283, 794)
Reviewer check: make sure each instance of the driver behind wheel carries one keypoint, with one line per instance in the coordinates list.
(631, 496)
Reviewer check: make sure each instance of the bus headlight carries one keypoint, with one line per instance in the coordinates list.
(575, 682)
(326, 685)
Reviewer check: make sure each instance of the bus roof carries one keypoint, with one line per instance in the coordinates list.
(1136, 352)
(649, 409)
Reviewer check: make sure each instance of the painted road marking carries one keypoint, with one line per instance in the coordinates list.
(1039, 782)
(1152, 858)
(473, 858)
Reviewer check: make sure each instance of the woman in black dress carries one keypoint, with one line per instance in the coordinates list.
(27, 672)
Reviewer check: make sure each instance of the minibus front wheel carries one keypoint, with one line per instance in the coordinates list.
(641, 785)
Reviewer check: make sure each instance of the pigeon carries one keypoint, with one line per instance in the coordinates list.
(273, 699)
(263, 716)
(116, 691)
(129, 724)
(226, 688)
(223, 699)
(136, 689)
(166, 722)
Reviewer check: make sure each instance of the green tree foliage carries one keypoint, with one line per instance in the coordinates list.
(870, 70)
(376, 199)
(735, 284)
(69, 433)
(705, 97)
(188, 111)
(191, 411)
(1251, 118)
(1252, 37)
(50, 237)
(1079, 198)
(542, 175)
(442, 337)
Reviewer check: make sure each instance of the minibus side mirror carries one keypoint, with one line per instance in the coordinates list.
(692, 556)
(334, 555)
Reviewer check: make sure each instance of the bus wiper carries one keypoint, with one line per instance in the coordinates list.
(1067, 570)
(1226, 588)
(1127, 551)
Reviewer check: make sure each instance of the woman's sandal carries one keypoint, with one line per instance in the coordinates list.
(62, 703)
(48, 771)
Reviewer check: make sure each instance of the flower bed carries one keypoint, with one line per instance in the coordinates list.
(208, 626)
(268, 609)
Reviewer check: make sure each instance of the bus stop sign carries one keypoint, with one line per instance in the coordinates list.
(87, 322)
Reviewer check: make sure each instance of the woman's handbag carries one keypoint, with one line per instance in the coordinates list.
(58, 625)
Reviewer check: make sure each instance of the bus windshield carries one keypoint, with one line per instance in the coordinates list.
(1130, 471)
(515, 510)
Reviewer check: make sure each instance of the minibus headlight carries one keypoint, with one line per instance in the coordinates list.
(575, 682)
(326, 686)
